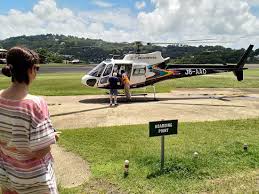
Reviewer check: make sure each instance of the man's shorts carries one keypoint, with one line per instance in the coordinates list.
(113, 92)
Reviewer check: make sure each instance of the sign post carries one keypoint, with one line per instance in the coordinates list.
(162, 128)
(162, 152)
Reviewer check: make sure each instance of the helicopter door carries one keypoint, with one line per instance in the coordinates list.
(105, 76)
(138, 74)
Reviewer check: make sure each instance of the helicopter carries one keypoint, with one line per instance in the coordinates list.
(150, 68)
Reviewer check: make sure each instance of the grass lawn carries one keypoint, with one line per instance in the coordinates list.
(222, 166)
(64, 84)
(67, 84)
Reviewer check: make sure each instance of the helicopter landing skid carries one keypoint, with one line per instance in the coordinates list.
(139, 94)
(154, 90)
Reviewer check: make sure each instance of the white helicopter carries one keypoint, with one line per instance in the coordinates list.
(148, 69)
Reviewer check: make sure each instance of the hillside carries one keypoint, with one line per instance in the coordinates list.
(56, 48)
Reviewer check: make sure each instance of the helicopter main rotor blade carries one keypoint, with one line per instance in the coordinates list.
(189, 42)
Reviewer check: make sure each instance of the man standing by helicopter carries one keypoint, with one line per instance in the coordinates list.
(113, 82)
(126, 83)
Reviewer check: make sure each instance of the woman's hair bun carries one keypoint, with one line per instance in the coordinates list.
(6, 71)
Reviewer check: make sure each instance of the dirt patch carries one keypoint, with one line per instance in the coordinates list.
(102, 186)
(70, 169)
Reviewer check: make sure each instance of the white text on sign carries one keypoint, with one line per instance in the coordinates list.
(163, 130)
(163, 125)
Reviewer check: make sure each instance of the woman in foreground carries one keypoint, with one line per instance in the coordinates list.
(26, 132)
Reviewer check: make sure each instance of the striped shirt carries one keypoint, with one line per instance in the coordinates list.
(25, 127)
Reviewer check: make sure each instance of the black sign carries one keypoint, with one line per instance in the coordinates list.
(159, 128)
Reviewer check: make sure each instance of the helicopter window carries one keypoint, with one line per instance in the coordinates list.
(139, 71)
(97, 71)
(125, 67)
(108, 70)
(115, 68)
(104, 80)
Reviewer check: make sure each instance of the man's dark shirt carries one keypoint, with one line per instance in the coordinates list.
(113, 82)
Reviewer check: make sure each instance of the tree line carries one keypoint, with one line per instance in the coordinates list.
(56, 48)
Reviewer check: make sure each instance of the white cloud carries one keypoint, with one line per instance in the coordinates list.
(191, 18)
(48, 11)
(102, 3)
(140, 4)
(170, 21)
(253, 2)
(118, 18)
(47, 17)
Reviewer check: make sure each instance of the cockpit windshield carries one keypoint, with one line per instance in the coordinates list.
(98, 70)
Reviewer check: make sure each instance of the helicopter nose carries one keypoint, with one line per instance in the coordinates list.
(88, 80)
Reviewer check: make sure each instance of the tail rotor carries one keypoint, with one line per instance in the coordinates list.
(240, 65)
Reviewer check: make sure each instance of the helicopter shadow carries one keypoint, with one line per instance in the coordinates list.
(123, 100)
(81, 111)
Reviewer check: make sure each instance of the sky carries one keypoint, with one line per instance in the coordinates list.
(231, 23)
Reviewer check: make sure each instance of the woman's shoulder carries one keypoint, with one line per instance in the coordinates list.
(32, 104)
(36, 100)
(40, 107)
(28, 97)
(31, 99)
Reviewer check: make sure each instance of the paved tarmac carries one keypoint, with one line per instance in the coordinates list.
(71, 112)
